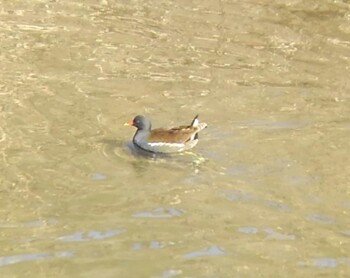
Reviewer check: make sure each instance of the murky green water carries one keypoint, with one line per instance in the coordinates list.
(264, 194)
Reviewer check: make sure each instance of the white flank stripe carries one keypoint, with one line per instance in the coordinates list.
(178, 145)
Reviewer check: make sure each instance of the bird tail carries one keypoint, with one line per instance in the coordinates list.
(195, 121)
(197, 124)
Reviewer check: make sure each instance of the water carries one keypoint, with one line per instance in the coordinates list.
(264, 193)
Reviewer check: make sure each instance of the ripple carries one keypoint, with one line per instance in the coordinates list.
(137, 246)
(326, 262)
(346, 233)
(321, 218)
(210, 251)
(171, 273)
(248, 230)
(277, 205)
(27, 27)
(30, 224)
(8, 260)
(271, 124)
(270, 233)
(154, 244)
(240, 196)
(98, 177)
(237, 195)
(160, 213)
(92, 235)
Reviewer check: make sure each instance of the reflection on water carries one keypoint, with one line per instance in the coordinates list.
(33, 257)
(170, 273)
(159, 213)
(92, 235)
(267, 187)
(250, 198)
(30, 224)
(210, 251)
(321, 218)
(273, 124)
(327, 262)
(270, 233)
(152, 245)
(98, 177)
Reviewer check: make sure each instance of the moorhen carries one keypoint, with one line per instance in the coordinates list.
(160, 140)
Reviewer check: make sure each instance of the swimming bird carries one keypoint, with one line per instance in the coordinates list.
(161, 140)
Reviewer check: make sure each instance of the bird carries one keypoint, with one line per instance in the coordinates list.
(161, 140)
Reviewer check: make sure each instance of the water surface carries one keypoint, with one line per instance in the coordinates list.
(265, 192)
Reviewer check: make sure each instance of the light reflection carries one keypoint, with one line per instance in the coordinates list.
(210, 251)
(270, 233)
(326, 262)
(321, 218)
(160, 213)
(8, 260)
(92, 235)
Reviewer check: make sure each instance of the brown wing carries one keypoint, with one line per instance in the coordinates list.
(179, 134)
